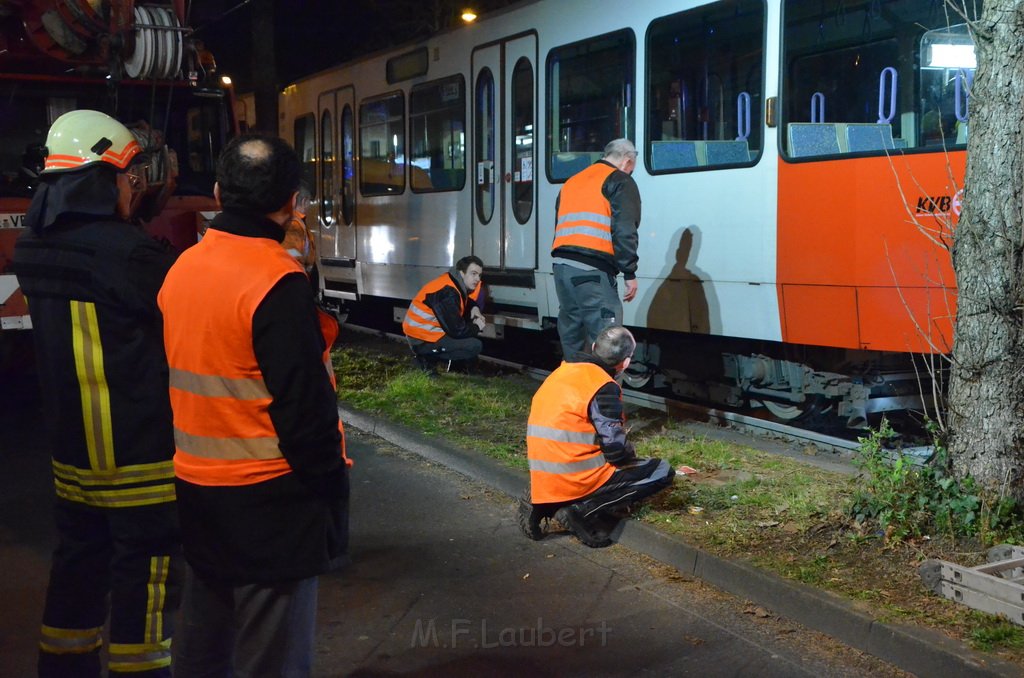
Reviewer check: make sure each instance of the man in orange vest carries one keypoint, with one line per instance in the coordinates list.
(444, 319)
(260, 475)
(583, 471)
(598, 213)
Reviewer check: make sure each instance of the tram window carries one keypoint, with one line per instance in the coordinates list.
(382, 145)
(437, 135)
(305, 146)
(484, 145)
(522, 142)
(590, 100)
(863, 77)
(327, 215)
(705, 83)
(348, 180)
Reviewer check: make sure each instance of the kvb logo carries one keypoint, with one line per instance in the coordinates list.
(940, 205)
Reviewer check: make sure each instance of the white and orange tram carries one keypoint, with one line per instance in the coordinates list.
(801, 167)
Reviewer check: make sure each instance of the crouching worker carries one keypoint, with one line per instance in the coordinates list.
(443, 320)
(583, 471)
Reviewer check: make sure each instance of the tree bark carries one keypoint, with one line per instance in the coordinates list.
(986, 394)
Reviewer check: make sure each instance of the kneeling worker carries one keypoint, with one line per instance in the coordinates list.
(583, 471)
(443, 320)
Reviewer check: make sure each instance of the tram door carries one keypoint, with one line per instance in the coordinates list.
(504, 119)
(336, 193)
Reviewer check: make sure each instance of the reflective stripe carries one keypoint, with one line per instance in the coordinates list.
(595, 217)
(213, 386)
(70, 641)
(92, 385)
(135, 657)
(595, 462)
(228, 448)
(589, 231)
(123, 475)
(433, 329)
(133, 496)
(561, 435)
(156, 595)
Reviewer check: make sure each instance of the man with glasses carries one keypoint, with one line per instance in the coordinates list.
(598, 213)
(583, 471)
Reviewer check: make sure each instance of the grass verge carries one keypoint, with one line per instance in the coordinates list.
(780, 514)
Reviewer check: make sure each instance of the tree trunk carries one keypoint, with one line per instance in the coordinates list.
(986, 394)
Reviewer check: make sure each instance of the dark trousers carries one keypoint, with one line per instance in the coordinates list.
(588, 302)
(246, 630)
(627, 486)
(124, 563)
(447, 348)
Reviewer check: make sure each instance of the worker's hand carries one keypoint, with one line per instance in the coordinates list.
(630, 290)
(479, 321)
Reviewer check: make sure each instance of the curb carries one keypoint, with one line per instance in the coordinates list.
(918, 650)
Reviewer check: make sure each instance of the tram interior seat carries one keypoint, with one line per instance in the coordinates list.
(673, 154)
(867, 136)
(682, 154)
(813, 138)
(564, 165)
(726, 152)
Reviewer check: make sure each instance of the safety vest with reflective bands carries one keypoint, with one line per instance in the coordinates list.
(223, 434)
(420, 321)
(584, 214)
(565, 458)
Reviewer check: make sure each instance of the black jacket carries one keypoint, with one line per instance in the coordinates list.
(606, 414)
(92, 282)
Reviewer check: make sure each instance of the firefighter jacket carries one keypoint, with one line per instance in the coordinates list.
(563, 444)
(441, 308)
(598, 213)
(262, 486)
(92, 283)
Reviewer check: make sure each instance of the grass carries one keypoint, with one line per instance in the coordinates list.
(778, 513)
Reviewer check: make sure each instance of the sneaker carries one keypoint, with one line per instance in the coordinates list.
(529, 519)
(424, 365)
(584, 530)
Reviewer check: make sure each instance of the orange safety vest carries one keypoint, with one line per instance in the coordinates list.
(420, 321)
(584, 214)
(329, 329)
(223, 434)
(565, 458)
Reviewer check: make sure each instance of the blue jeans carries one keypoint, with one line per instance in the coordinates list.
(588, 302)
(246, 630)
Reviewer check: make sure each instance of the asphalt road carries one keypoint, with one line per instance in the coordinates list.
(442, 583)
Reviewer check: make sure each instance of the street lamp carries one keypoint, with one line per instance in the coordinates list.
(468, 16)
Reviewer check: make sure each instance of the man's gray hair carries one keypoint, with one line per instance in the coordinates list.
(620, 148)
(614, 345)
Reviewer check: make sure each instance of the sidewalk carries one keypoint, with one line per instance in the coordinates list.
(917, 650)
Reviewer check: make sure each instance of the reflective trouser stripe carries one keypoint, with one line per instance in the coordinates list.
(92, 383)
(156, 596)
(131, 658)
(70, 641)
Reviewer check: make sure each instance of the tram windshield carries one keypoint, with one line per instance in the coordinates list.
(194, 128)
(873, 76)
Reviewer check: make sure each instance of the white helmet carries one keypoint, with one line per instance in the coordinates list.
(82, 138)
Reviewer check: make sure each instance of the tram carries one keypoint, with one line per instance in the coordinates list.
(800, 167)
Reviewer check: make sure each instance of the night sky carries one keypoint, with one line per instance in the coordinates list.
(311, 35)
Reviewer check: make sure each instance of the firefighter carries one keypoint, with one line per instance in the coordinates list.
(260, 474)
(598, 213)
(583, 470)
(444, 318)
(92, 280)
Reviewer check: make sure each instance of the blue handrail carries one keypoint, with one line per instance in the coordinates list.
(882, 117)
